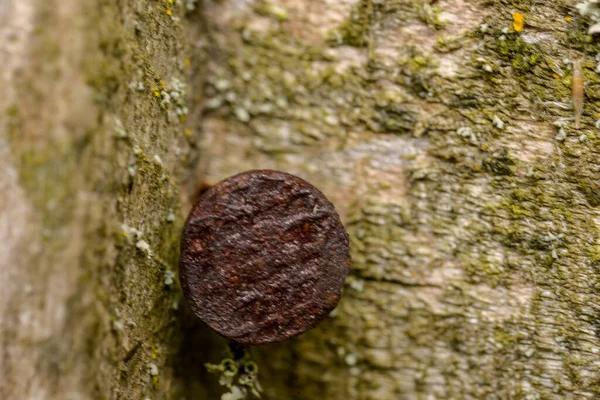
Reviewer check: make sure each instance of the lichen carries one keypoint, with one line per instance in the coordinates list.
(238, 373)
(112, 180)
(460, 204)
(590, 8)
(474, 242)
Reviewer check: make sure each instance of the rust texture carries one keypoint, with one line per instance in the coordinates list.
(264, 256)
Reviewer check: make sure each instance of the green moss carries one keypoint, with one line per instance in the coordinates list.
(448, 44)
(78, 182)
(281, 80)
(12, 111)
(520, 221)
(591, 191)
(502, 164)
(522, 56)
(354, 31)
(267, 9)
(432, 16)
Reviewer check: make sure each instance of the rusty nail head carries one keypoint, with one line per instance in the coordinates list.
(264, 256)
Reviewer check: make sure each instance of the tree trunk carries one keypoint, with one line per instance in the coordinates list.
(443, 132)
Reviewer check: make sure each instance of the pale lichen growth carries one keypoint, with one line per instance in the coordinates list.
(190, 5)
(121, 132)
(131, 233)
(450, 238)
(498, 123)
(468, 133)
(591, 8)
(169, 277)
(173, 99)
(562, 135)
(238, 373)
(95, 145)
(268, 9)
(144, 246)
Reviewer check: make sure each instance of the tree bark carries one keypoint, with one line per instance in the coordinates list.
(444, 134)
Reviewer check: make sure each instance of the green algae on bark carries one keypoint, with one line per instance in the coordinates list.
(464, 223)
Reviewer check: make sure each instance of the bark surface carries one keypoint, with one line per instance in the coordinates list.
(442, 132)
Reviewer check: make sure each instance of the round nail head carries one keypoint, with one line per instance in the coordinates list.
(264, 256)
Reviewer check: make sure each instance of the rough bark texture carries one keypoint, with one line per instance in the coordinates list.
(445, 139)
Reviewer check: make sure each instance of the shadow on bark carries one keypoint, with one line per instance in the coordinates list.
(198, 345)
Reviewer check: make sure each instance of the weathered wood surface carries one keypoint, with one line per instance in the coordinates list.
(445, 139)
